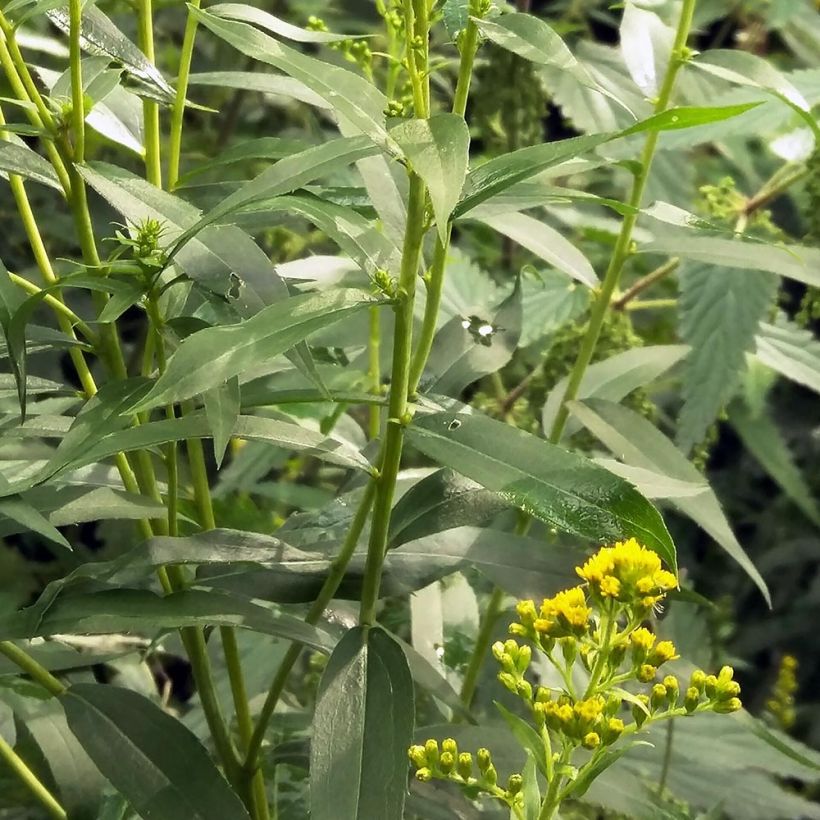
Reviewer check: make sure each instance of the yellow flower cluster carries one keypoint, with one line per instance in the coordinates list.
(628, 573)
(562, 616)
(590, 721)
(780, 705)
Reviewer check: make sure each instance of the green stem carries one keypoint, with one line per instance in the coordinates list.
(37, 672)
(667, 757)
(150, 108)
(178, 110)
(75, 56)
(374, 372)
(651, 304)
(30, 780)
(606, 630)
(434, 281)
(482, 646)
(646, 282)
(335, 575)
(397, 404)
(552, 799)
(624, 242)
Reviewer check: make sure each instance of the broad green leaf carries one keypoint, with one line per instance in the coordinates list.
(720, 311)
(470, 347)
(138, 610)
(615, 377)
(148, 755)
(438, 151)
(275, 25)
(545, 242)
(566, 490)
(277, 85)
(214, 355)
(792, 261)
(790, 350)
(213, 258)
(362, 728)
(763, 439)
(353, 97)
(283, 177)
(99, 36)
(20, 160)
(441, 501)
(222, 410)
(638, 442)
(500, 173)
(646, 44)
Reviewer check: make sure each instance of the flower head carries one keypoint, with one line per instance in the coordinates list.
(628, 573)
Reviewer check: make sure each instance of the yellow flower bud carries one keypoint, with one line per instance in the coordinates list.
(484, 759)
(498, 651)
(730, 689)
(724, 707)
(591, 740)
(710, 686)
(524, 658)
(613, 730)
(663, 652)
(491, 776)
(646, 673)
(449, 745)
(658, 696)
(691, 699)
(424, 775)
(465, 765)
(524, 690)
(418, 756)
(447, 762)
(508, 681)
(698, 679)
(726, 674)
(670, 683)
(515, 784)
(431, 750)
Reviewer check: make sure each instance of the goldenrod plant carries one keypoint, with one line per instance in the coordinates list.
(328, 331)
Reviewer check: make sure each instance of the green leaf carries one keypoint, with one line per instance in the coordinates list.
(600, 763)
(646, 45)
(99, 36)
(285, 176)
(148, 755)
(438, 151)
(222, 410)
(615, 377)
(362, 728)
(566, 490)
(531, 792)
(792, 261)
(276, 85)
(275, 25)
(127, 610)
(545, 242)
(790, 350)
(213, 258)
(526, 736)
(214, 355)
(441, 501)
(470, 347)
(674, 119)
(720, 312)
(763, 439)
(353, 97)
(20, 160)
(10, 300)
(456, 13)
(638, 442)
(500, 173)
(27, 517)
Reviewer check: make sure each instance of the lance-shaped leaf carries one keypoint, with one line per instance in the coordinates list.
(438, 151)
(361, 730)
(638, 442)
(564, 489)
(791, 350)
(149, 756)
(222, 410)
(353, 97)
(214, 355)
(20, 160)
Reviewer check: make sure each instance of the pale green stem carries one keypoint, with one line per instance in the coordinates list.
(374, 372)
(178, 110)
(37, 672)
(482, 646)
(30, 780)
(150, 108)
(624, 242)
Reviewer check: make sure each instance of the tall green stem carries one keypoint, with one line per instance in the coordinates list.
(397, 405)
(178, 110)
(150, 108)
(623, 244)
(30, 780)
(482, 645)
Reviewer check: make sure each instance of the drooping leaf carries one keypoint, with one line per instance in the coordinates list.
(437, 150)
(790, 350)
(546, 242)
(638, 442)
(763, 439)
(269, 22)
(216, 354)
(362, 728)
(351, 96)
(30, 519)
(615, 377)
(222, 410)
(276, 85)
(148, 755)
(564, 489)
(720, 312)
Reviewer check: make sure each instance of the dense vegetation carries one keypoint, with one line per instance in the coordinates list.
(405, 404)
